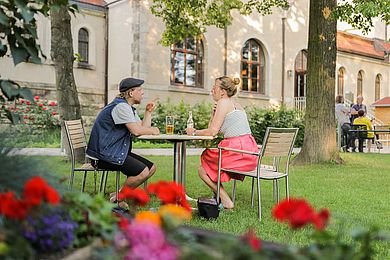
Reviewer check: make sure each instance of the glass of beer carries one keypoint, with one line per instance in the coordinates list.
(169, 125)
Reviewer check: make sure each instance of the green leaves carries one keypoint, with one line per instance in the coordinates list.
(12, 91)
(18, 27)
(360, 13)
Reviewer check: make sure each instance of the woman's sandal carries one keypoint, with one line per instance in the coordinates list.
(121, 204)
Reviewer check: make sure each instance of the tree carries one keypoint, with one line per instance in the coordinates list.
(320, 136)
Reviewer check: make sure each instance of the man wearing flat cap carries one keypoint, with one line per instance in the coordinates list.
(111, 137)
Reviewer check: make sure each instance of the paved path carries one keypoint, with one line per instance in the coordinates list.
(157, 152)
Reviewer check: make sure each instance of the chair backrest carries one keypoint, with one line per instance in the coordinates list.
(363, 130)
(75, 134)
(277, 143)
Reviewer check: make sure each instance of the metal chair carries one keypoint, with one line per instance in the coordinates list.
(278, 143)
(76, 137)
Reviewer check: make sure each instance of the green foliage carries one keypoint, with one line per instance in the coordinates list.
(93, 215)
(18, 27)
(190, 18)
(260, 119)
(360, 13)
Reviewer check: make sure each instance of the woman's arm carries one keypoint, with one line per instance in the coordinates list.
(216, 122)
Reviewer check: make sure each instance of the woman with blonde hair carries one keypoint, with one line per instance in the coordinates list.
(229, 118)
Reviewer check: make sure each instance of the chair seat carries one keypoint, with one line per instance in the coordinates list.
(265, 173)
(85, 167)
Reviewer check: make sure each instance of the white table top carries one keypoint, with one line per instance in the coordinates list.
(175, 137)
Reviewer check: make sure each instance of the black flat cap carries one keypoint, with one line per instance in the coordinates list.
(129, 83)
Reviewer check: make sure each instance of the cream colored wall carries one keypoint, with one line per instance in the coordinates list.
(42, 77)
(371, 67)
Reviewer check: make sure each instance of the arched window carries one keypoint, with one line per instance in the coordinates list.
(300, 68)
(378, 87)
(253, 67)
(359, 91)
(83, 45)
(187, 63)
(340, 81)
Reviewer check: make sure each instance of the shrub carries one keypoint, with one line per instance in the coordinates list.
(259, 119)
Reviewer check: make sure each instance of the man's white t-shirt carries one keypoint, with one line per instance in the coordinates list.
(123, 113)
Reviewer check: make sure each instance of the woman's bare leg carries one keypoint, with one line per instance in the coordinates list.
(225, 199)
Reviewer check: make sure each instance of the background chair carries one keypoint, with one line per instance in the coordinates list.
(382, 139)
(278, 144)
(75, 134)
(361, 135)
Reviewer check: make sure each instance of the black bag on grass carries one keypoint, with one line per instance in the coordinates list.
(208, 208)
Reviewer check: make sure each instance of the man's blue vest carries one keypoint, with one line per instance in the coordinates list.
(109, 142)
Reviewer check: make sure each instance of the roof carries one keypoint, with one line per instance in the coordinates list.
(384, 102)
(93, 2)
(351, 43)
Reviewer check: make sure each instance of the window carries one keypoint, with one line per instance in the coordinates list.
(359, 91)
(340, 82)
(378, 87)
(252, 67)
(83, 45)
(300, 68)
(187, 63)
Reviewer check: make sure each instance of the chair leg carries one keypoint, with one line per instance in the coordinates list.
(234, 191)
(287, 192)
(71, 180)
(102, 177)
(94, 181)
(274, 189)
(253, 192)
(145, 184)
(84, 180)
(259, 198)
(277, 191)
(117, 181)
(219, 176)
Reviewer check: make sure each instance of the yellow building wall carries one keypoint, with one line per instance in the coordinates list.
(383, 114)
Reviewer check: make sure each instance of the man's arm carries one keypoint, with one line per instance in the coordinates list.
(138, 129)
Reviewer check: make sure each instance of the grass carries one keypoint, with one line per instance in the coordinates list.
(356, 193)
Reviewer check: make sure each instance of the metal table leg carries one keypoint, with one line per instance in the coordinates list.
(177, 150)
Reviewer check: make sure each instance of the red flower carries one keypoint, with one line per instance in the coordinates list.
(36, 98)
(52, 103)
(251, 238)
(138, 195)
(11, 207)
(320, 220)
(41, 105)
(25, 117)
(21, 101)
(28, 102)
(54, 113)
(36, 189)
(123, 222)
(297, 212)
(169, 193)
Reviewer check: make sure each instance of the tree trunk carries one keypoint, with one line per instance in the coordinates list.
(319, 144)
(62, 56)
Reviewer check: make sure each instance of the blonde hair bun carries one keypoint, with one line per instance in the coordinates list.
(236, 81)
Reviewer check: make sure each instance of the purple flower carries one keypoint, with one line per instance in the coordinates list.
(52, 231)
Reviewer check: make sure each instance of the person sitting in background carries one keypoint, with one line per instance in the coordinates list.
(342, 116)
(230, 119)
(362, 120)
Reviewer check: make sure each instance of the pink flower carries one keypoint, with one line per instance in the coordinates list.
(44, 108)
(21, 101)
(36, 98)
(41, 105)
(52, 103)
(54, 113)
(28, 102)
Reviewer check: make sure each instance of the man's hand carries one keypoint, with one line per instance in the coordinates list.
(151, 105)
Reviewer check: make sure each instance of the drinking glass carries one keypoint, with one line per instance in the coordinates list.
(169, 125)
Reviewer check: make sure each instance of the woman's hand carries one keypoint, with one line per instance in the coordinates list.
(190, 131)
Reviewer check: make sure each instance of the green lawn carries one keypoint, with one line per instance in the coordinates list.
(356, 193)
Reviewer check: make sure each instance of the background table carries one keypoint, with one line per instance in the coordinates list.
(179, 151)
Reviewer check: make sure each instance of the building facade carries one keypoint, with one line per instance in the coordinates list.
(117, 39)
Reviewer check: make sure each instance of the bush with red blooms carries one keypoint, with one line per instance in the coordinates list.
(299, 213)
(40, 113)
